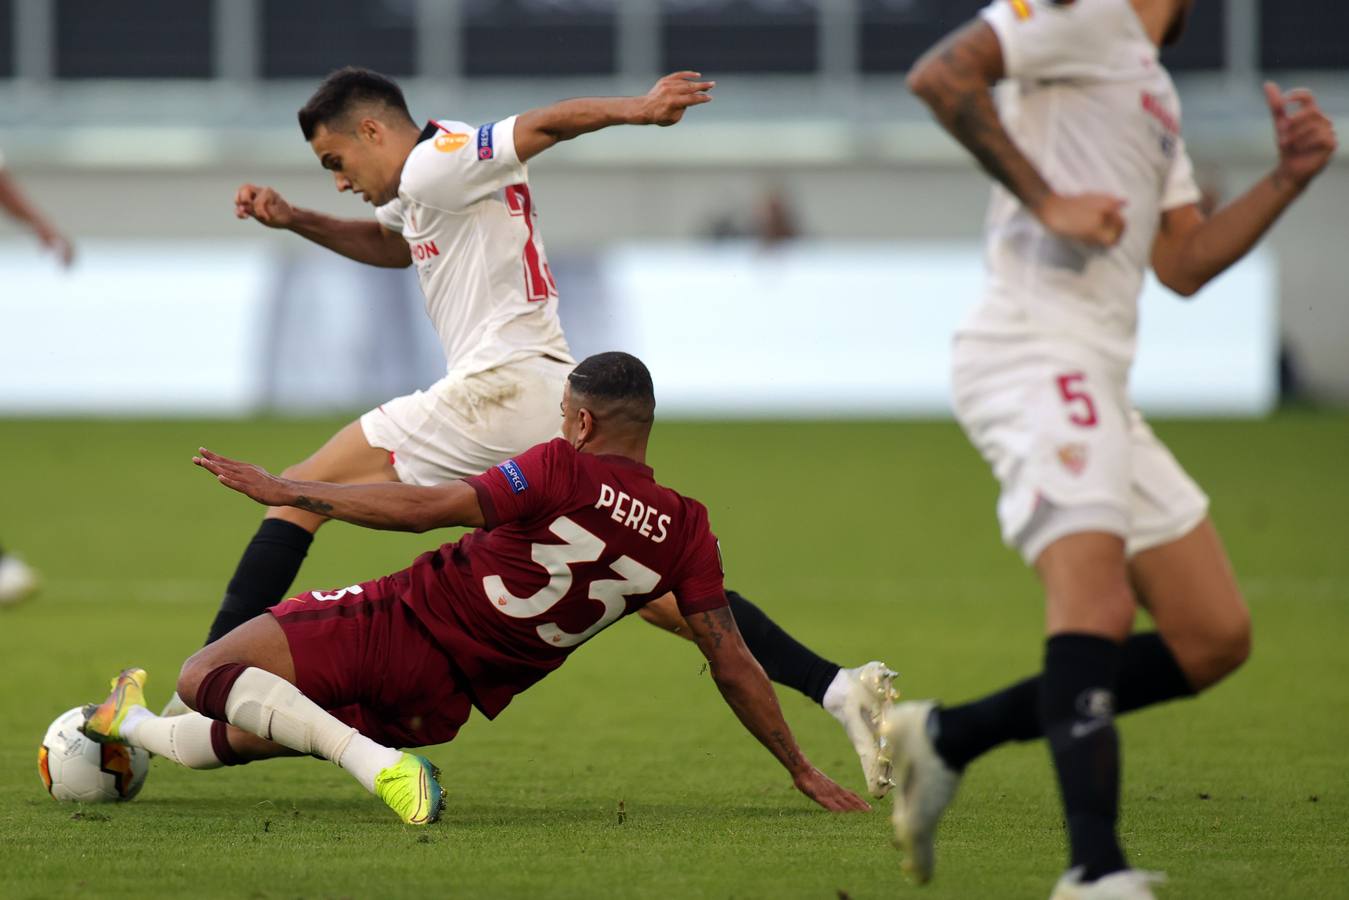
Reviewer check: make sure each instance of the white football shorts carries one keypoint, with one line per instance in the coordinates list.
(1071, 453)
(464, 424)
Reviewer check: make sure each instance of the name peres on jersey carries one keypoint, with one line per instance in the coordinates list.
(573, 542)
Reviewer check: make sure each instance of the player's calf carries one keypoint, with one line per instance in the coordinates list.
(1189, 588)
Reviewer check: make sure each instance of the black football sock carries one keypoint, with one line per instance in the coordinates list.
(784, 660)
(1149, 674)
(1077, 701)
(264, 574)
(963, 733)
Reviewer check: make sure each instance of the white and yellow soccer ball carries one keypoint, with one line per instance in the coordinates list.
(76, 769)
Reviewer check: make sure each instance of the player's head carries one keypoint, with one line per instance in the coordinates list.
(608, 403)
(1178, 22)
(359, 127)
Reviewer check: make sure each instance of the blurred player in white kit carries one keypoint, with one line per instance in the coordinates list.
(1093, 185)
(17, 578)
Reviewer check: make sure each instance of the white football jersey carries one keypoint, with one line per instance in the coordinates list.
(465, 209)
(1093, 109)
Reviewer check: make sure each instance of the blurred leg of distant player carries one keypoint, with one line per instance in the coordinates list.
(17, 580)
(1203, 634)
(1090, 611)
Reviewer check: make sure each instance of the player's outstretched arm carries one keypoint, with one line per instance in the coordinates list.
(363, 240)
(664, 104)
(745, 687)
(1190, 251)
(13, 201)
(955, 79)
(387, 506)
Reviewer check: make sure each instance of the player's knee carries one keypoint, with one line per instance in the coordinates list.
(1214, 650)
(190, 676)
(1227, 647)
(1118, 607)
(1105, 608)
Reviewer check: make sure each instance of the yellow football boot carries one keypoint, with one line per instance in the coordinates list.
(103, 721)
(410, 789)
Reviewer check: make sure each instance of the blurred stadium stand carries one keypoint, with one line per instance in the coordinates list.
(136, 121)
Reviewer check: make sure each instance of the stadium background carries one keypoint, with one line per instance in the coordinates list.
(135, 125)
(836, 231)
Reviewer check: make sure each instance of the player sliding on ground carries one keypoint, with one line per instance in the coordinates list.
(1093, 185)
(455, 200)
(572, 535)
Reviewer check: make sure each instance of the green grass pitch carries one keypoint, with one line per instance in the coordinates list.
(624, 775)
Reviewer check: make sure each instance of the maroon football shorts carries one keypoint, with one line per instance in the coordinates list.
(361, 654)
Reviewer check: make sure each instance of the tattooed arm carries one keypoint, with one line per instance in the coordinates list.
(746, 689)
(388, 506)
(955, 79)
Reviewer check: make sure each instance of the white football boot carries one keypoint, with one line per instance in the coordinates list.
(857, 697)
(1130, 884)
(925, 784)
(17, 580)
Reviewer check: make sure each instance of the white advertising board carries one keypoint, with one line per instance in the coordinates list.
(807, 330)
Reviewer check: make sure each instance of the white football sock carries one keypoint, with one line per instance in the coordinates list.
(184, 739)
(273, 708)
(837, 693)
(365, 759)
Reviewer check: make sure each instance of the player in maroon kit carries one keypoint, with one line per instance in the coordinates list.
(573, 534)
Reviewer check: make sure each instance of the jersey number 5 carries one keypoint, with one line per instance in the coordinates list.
(556, 559)
(1081, 408)
(539, 284)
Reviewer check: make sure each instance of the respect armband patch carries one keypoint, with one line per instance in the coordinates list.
(485, 149)
(514, 477)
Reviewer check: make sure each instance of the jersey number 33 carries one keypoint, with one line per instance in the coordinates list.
(556, 559)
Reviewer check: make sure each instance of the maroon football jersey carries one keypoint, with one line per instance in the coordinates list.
(573, 541)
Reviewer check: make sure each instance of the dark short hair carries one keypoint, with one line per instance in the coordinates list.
(617, 382)
(345, 89)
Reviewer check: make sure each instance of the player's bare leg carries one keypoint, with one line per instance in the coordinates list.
(347, 458)
(1189, 588)
(855, 697)
(273, 557)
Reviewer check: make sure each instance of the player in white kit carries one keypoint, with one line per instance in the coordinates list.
(454, 200)
(17, 579)
(1093, 186)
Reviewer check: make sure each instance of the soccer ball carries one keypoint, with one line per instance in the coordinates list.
(78, 769)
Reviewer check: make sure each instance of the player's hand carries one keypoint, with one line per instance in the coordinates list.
(1305, 135)
(821, 788)
(246, 478)
(1094, 219)
(263, 204)
(665, 103)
